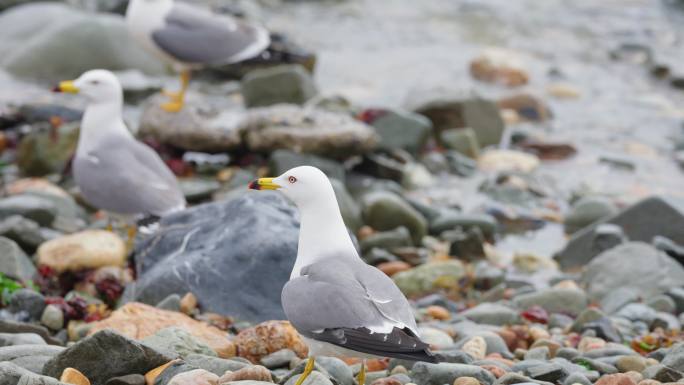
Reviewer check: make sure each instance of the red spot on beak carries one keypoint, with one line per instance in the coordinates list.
(56, 89)
(254, 185)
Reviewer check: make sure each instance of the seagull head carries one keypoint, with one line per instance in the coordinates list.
(303, 185)
(96, 85)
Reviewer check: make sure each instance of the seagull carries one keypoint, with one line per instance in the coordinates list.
(113, 170)
(340, 305)
(188, 37)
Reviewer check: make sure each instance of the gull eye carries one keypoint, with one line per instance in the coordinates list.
(291, 179)
(94, 82)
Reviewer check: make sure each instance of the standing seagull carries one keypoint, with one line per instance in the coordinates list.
(188, 37)
(340, 305)
(113, 170)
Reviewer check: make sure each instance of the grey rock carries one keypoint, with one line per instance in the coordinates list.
(254, 263)
(308, 130)
(69, 216)
(11, 374)
(551, 372)
(392, 239)
(557, 320)
(25, 232)
(176, 342)
(450, 219)
(568, 301)
(588, 315)
(403, 130)
(495, 344)
(641, 222)
(29, 357)
(662, 303)
(386, 211)
(283, 160)
(662, 373)
(587, 211)
(634, 265)
(462, 140)
(214, 364)
(619, 298)
(14, 262)
(198, 189)
(290, 84)
(576, 378)
(130, 379)
(604, 328)
(278, 359)
(9, 339)
(454, 356)
(675, 357)
(609, 351)
(438, 374)
(479, 114)
(202, 125)
(30, 206)
(665, 321)
(337, 369)
(123, 355)
(29, 301)
(595, 364)
(172, 302)
(677, 294)
(515, 378)
(8, 326)
(492, 314)
(541, 353)
(54, 48)
(466, 244)
(52, 317)
(376, 256)
(425, 278)
(606, 236)
(567, 353)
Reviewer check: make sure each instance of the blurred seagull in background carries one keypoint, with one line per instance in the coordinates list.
(189, 37)
(113, 170)
(340, 305)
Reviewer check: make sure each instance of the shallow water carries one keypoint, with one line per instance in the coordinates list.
(384, 53)
(392, 52)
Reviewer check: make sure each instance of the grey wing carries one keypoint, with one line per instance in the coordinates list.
(193, 36)
(125, 179)
(327, 303)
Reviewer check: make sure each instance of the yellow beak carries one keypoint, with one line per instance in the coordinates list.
(67, 86)
(264, 184)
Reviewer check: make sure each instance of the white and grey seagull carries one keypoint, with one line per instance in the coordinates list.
(340, 305)
(113, 170)
(188, 37)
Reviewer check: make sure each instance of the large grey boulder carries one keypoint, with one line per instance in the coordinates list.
(234, 256)
(633, 265)
(104, 355)
(55, 41)
(640, 222)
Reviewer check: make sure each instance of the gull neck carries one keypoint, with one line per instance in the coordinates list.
(322, 233)
(100, 119)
